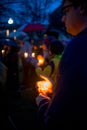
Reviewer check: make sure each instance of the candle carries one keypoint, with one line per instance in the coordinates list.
(44, 86)
(33, 54)
(41, 60)
(25, 54)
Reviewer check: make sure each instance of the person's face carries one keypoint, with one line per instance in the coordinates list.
(71, 18)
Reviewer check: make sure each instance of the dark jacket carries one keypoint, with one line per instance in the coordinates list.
(68, 109)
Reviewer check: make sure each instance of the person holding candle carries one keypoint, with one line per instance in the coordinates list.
(55, 50)
(68, 107)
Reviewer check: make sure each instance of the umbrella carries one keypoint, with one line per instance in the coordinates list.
(8, 42)
(31, 27)
(19, 35)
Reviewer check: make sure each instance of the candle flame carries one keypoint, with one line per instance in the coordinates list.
(25, 54)
(45, 86)
(33, 54)
(3, 51)
(40, 59)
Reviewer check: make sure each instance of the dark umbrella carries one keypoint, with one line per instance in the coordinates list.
(8, 42)
(31, 27)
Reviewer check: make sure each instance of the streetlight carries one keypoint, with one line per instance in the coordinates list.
(10, 21)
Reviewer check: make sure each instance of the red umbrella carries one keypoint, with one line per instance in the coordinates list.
(31, 27)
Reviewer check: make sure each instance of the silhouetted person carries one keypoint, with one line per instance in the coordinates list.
(68, 107)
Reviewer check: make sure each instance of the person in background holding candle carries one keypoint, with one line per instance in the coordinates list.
(55, 50)
(68, 107)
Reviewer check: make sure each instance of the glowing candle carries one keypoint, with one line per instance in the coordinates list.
(40, 59)
(33, 54)
(45, 86)
(25, 54)
(3, 52)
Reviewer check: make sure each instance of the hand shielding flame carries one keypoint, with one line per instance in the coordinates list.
(44, 86)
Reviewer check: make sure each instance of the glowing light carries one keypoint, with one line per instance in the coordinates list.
(7, 32)
(41, 60)
(45, 86)
(14, 30)
(3, 52)
(14, 36)
(10, 21)
(33, 54)
(25, 54)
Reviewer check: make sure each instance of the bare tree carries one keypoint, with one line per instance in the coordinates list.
(25, 10)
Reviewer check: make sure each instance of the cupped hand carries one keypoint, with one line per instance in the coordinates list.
(41, 97)
(45, 86)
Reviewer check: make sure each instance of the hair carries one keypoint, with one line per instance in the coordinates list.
(56, 47)
(76, 3)
(53, 33)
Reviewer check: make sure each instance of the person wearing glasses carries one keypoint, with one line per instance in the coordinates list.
(68, 107)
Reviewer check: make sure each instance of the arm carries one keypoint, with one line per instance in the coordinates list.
(62, 110)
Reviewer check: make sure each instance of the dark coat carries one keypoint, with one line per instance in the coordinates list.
(68, 109)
